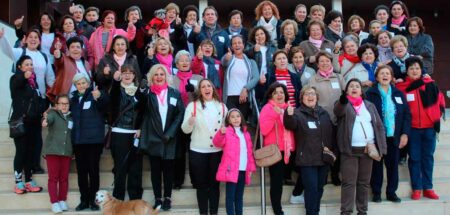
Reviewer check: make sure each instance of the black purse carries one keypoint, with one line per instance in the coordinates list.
(16, 127)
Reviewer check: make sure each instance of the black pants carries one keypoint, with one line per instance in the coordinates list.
(183, 141)
(37, 152)
(25, 145)
(202, 169)
(314, 179)
(391, 162)
(87, 157)
(127, 162)
(276, 172)
(233, 102)
(336, 167)
(161, 168)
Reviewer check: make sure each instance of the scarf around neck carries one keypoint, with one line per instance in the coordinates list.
(166, 61)
(398, 21)
(212, 72)
(371, 69)
(157, 89)
(326, 74)
(31, 80)
(120, 60)
(388, 110)
(400, 62)
(352, 58)
(288, 136)
(356, 103)
(184, 80)
(270, 26)
(129, 89)
(235, 30)
(316, 43)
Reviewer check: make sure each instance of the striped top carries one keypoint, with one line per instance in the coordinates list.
(283, 77)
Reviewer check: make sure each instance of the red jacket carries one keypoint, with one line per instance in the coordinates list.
(229, 166)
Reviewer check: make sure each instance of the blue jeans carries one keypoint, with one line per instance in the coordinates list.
(235, 195)
(314, 179)
(422, 144)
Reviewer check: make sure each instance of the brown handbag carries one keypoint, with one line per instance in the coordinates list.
(268, 155)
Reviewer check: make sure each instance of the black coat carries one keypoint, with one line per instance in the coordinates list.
(282, 42)
(104, 81)
(402, 112)
(134, 105)
(403, 30)
(312, 128)
(154, 140)
(178, 38)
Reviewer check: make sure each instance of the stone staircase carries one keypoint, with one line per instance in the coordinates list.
(184, 201)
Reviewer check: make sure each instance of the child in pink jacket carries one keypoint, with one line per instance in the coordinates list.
(237, 160)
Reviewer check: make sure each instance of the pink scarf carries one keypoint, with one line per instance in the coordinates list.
(32, 80)
(398, 21)
(157, 89)
(356, 103)
(184, 78)
(326, 74)
(316, 43)
(288, 136)
(120, 60)
(166, 61)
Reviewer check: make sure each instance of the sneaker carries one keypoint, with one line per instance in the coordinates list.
(55, 208)
(393, 198)
(158, 204)
(19, 188)
(376, 198)
(63, 205)
(415, 195)
(430, 194)
(297, 199)
(32, 187)
(167, 204)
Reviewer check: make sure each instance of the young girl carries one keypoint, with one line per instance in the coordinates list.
(237, 160)
(58, 152)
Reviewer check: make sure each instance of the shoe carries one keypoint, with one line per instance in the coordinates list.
(158, 204)
(297, 199)
(38, 170)
(167, 204)
(55, 208)
(82, 206)
(19, 188)
(32, 187)
(94, 206)
(376, 198)
(415, 195)
(402, 161)
(393, 198)
(289, 182)
(430, 194)
(63, 205)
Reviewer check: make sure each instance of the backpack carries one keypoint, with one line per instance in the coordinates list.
(24, 50)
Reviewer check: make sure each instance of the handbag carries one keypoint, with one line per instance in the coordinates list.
(268, 155)
(328, 156)
(371, 149)
(16, 126)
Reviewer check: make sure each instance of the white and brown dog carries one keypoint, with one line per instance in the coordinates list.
(113, 206)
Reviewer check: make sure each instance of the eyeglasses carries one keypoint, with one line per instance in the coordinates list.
(311, 94)
(127, 73)
(63, 104)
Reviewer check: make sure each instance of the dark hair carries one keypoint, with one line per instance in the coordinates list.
(227, 119)
(189, 8)
(63, 19)
(402, 4)
(21, 60)
(384, 66)
(106, 13)
(278, 52)
(315, 22)
(419, 23)
(380, 7)
(333, 15)
(272, 89)
(198, 95)
(36, 31)
(251, 36)
(130, 9)
(236, 36)
(58, 97)
(52, 25)
(295, 50)
(75, 39)
(130, 68)
(360, 84)
(234, 12)
(325, 54)
(412, 60)
(366, 46)
(111, 51)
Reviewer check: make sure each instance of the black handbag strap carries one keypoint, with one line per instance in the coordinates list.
(121, 114)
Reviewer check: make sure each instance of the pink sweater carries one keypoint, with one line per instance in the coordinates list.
(229, 166)
(268, 119)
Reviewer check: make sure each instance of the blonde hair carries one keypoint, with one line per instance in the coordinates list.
(153, 71)
(398, 38)
(259, 9)
(287, 22)
(172, 6)
(167, 41)
(317, 7)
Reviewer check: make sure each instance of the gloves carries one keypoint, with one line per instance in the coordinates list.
(343, 99)
(143, 84)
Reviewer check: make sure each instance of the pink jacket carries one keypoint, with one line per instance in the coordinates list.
(95, 42)
(229, 166)
(267, 119)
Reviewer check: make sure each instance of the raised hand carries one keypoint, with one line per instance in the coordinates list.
(58, 46)
(96, 93)
(44, 122)
(200, 54)
(197, 28)
(150, 52)
(257, 47)
(262, 78)
(192, 119)
(228, 55)
(106, 70)
(223, 129)
(117, 75)
(130, 25)
(290, 109)
(18, 22)
(72, 8)
(178, 20)
(28, 74)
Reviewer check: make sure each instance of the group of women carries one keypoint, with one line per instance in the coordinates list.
(361, 97)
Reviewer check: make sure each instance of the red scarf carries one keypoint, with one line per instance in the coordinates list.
(184, 78)
(356, 103)
(326, 74)
(398, 21)
(157, 89)
(352, 58)
(282, 71)
(288, 136)
(32, 80)
(166, 61)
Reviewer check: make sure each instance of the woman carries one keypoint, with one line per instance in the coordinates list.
(393, 109)
(186, 82)
(190, 16)
(302, 20)
(356, 25)
(101, 40)
(77, 11)
(159, 52)
(419, 43)
(118, 56)
(240, 79)
(206, 64)
(381, 14)
(126, 117)
(162, 118)
(133, 14)
(289, 35)
(316, 42)
(268, 16)
(67, 66)
(312, 127)
(358, 126)
(426, 103)
(334, 31)
(348, 63)
(368, 54)
(396, 23)
(25, 102)
(399, 46)
(261, 49)
(176, 32)
(274, 132)
(235, 19)
(383, 39)
(202, 119)
(88, 133)
(317, 12)
(374, 28)
(298, 65)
